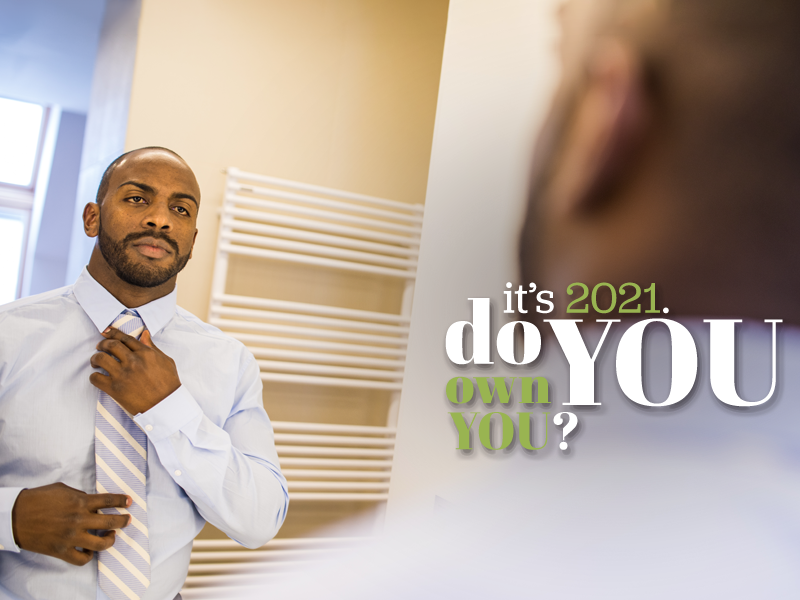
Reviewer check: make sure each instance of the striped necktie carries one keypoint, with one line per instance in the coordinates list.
(121, 466)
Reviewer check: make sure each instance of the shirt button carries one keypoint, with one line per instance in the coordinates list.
(178, 473)
(148, 427)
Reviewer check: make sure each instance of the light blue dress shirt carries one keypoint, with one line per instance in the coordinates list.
(210, 453)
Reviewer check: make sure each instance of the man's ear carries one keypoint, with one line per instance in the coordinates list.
(91, 219)
(608, 125)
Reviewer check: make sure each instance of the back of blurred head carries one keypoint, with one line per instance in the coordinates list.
(671, 155)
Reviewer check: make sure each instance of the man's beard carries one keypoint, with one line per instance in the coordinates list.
(140, 275)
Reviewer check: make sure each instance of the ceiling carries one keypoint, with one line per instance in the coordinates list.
(47, 50)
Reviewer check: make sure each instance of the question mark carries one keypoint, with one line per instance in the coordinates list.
(572, 423)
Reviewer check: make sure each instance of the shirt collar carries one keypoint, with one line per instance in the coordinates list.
(103, 308)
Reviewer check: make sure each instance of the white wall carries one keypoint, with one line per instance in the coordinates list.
(498, 72)
(107, 120)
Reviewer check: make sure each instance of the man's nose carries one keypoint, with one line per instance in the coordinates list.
(158, 216)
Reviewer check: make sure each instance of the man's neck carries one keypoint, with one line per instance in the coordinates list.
(131, 296)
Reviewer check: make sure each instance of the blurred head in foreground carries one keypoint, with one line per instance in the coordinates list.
(670, 156)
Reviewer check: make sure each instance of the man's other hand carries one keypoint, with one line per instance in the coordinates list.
(55, 520)
(139, 374)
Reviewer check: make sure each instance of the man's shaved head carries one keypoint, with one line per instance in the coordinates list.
(671, 153)
(102, 189)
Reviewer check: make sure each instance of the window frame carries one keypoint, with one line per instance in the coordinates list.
(37, 159)
(25, 216)
(18, 200)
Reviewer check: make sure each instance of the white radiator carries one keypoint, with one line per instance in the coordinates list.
(312, 344)
(223, 569)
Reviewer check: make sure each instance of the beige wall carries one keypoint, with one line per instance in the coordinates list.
(339, 93)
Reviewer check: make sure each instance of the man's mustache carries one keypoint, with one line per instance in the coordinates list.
(159, 235)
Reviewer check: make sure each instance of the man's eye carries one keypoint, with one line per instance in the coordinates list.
(182, 210)
(137, 199)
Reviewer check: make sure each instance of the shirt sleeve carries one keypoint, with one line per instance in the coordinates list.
(231, 473)
(8, 497)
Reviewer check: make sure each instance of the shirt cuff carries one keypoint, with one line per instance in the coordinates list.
(8, 496)
(169, 415)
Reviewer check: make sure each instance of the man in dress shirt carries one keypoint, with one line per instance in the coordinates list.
(195, 392)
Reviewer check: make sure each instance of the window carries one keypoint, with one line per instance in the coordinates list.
(12, 236)
(21, 132)
(21, 125)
